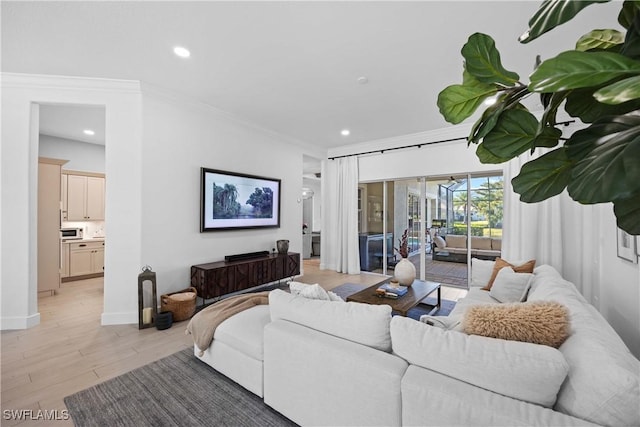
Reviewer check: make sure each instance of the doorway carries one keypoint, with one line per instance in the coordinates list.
(75, 135)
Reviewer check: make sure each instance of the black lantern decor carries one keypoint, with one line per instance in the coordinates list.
(147, 311)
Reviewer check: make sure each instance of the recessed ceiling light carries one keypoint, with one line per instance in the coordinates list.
(363, 80)
(181, 52)
(88, 132)
(345, 132)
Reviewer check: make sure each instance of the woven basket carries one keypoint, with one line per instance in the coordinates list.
(182, 310)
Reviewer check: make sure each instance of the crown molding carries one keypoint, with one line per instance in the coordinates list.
(42, 81)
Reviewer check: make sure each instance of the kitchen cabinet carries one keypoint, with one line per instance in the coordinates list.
(84, 197)
(86, 258)
(64, 260)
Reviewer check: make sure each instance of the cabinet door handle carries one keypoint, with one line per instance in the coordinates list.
(82, 245)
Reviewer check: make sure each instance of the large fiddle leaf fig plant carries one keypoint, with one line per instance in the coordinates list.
(598, 83)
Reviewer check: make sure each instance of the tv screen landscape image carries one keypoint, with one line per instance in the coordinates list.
(231, 200)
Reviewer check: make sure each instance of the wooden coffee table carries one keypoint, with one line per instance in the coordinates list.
(418, 291)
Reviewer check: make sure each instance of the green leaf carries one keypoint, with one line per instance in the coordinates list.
(631, 46)
(619, 92)
(548, 137)
(553, 102)
(551, 14)
(544, 177)
(600, 39)
(607, 152)
(458, 102)
(627, 213)
(508, 99)
(487, 157)
(513, 134)
(573, 70)
(628, 12)
(582, 104)
(482, 60)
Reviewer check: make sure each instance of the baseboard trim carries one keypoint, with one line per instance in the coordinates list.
(9, 323)
(83, 277)
(119, 318)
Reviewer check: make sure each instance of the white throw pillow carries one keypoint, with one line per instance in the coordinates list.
(440, 242)
(365, 324)
(481, 271)
(510, 286)
(314, 291)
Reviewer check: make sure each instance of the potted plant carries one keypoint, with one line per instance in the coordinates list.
(598, 83)
(405, 271)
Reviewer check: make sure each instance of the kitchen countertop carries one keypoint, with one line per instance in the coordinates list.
(91, 239)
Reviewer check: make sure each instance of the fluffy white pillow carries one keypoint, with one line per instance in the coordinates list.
(510, 286)
(314, 291)
(481, 271)
(335, 297)
(440, 242)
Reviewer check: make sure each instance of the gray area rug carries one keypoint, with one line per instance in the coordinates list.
(178, 390)
(424, 307)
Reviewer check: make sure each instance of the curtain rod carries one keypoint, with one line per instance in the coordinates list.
(420, 144)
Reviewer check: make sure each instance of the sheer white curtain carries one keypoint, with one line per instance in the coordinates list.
(530, 230)
(339, 244)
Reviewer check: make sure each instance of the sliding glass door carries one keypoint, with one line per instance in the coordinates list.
(448, 220)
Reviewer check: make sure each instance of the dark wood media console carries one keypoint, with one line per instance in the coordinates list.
(215, 279)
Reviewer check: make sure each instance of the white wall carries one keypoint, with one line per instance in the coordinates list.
(122, 100)
(82, 156)
(180, 138)
(443, 159)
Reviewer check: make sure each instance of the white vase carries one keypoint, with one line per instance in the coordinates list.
(405, 272)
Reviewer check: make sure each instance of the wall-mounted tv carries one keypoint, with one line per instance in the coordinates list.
(231, 200)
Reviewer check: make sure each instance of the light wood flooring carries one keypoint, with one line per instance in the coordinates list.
(70, 351)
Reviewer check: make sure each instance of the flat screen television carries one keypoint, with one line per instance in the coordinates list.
(231, 200)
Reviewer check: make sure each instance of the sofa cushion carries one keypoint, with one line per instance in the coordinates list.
(496, 244)
(485, 252)
(529, 372)
(455, 241)
(481, 243)
(541, 322)
(361, 323)
(243, 331)
(527, 267)
(510, 286)
(603, 385)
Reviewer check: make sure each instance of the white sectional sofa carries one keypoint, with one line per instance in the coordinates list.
(335, 363)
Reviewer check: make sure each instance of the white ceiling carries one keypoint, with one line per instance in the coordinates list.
(288, 66)
(70, 122)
